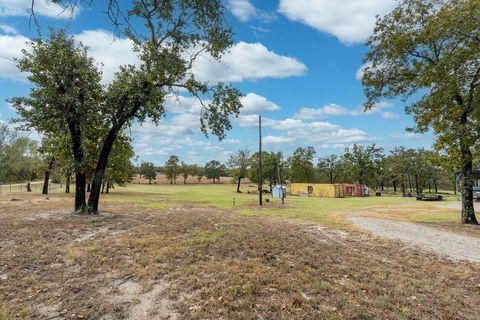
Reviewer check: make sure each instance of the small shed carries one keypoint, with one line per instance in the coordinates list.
(279, 192)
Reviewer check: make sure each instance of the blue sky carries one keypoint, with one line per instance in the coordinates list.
(297, 62)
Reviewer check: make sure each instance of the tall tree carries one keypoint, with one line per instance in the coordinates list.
(430, 49)
(149, 171)
(198, 171)
(362, 163)
(120, 168)
(185, 171)
(330, 168)
(214, 170)
(301, 167)
(177, 31)
(240, 162)
(170, 169)
(64, 98)
(272, 168)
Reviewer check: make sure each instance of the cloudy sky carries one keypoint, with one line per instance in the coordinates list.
(297, 62)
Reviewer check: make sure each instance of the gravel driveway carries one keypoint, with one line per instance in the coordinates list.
(451, 245)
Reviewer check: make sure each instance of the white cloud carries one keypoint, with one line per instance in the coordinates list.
(389, 115)
(252, 104)
(256, 104)
(335, 110)
(361, 71)
(325, 111)
(45, 8)
(184, 124)
(277, 139)
(183, 104)
(8, 29)
(247, 61)
(315, 132)
(231, 141)
(11, 47)
(351, 21)
(106, 49)
(242, 9)
(111, 51)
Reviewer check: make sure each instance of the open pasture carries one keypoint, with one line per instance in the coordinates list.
(186, 252)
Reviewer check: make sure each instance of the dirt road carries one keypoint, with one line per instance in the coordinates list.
(444, 243)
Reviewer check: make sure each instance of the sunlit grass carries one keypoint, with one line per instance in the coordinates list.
(328, 211)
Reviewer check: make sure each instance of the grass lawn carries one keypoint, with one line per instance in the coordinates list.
(331, 212)
(186, 252)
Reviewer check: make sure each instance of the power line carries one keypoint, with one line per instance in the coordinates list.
(7, 58)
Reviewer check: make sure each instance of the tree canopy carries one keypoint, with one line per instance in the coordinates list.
(428, 53)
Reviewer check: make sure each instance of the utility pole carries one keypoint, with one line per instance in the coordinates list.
(260, 156)
(279, 173)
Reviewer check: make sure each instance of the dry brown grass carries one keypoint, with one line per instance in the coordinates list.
(213, 264)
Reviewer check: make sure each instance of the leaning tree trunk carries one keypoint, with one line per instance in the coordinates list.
(79, 156)
(47, 177)
(238, 184)
(94, 197)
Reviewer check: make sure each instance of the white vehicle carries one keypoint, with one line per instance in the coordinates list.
(476, 193)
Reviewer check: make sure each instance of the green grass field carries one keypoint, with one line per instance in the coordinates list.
(322, 210)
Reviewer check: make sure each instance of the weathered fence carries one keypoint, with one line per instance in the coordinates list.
(22, 187)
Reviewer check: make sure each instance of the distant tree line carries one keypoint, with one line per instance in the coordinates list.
(401, 170)
(24, 160)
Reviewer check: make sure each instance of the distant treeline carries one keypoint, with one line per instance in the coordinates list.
(401, 170)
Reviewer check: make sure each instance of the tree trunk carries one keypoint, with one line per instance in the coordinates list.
(108, 187)
(184, 180)
(455, 185)
(79, 156)
(89, 187)
(383, 187)
(435, 185)
(103, 187)
(94, 198)
(29, 188)
(47, 177)
(45, 182)
(416, 185)
(67, 184)
(468, 210)
(238, 184)
(394, 186)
